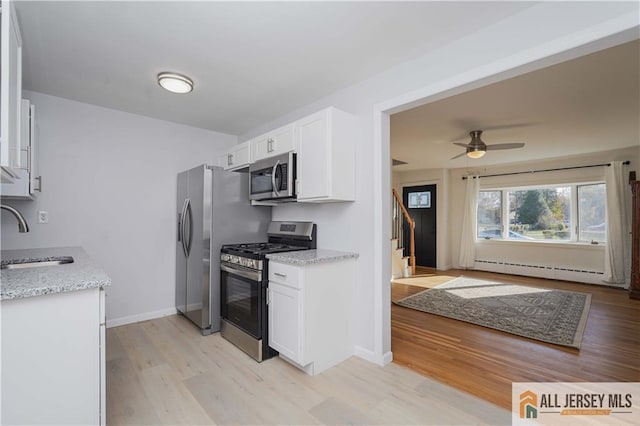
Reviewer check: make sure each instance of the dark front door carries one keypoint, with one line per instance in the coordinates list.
(420, 202)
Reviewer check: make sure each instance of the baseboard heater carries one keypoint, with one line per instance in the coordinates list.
(541, 271)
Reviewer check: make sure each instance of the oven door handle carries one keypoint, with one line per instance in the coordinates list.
(252, 275)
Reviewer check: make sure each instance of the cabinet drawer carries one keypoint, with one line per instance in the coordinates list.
(285, 274)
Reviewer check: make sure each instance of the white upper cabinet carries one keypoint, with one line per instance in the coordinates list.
(237, 157)
(10, 88)
(326, 157)
(27, 181)
(273, 143)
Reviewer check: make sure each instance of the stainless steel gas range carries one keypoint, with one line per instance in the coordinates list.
(244, 272)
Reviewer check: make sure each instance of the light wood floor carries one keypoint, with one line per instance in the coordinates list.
(485, 362)
(164, 372)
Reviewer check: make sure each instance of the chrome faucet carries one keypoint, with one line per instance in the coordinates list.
(22, 223)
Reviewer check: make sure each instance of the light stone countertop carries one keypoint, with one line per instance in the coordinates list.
(82, 274)
(311, 257)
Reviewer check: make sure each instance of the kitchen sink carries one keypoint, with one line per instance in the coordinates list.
(48, 261)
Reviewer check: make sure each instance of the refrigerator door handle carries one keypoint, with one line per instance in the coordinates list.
(188, 237)
(181, 223)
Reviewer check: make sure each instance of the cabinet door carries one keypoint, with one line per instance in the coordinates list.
(313, 157)
(27, 183)
(235, 158)
(238, 157)
(285, 321)
(274, 143)
(51, 359)
(11, 88)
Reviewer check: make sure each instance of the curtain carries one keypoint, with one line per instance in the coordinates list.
(469, 225)
(617, 250)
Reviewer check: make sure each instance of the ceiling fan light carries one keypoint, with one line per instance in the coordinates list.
(176, 83)
(476, 154)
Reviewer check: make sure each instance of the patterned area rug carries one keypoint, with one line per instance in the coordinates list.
(553, 316)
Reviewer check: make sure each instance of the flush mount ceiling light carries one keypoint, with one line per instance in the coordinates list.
(176, 83)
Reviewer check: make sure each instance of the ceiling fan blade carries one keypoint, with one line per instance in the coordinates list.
(505, 146)
(464, 145)
(458, 156)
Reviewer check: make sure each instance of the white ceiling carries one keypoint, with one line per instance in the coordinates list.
(251, 62)
(585, 105)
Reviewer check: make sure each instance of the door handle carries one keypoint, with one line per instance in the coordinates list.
(274, 186)
(181, 226)
(249, 274)
(189, 238)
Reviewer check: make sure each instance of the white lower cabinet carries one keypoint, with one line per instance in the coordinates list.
(310, 313)
(53, 359)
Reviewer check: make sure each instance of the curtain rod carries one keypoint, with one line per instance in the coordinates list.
(547, 170)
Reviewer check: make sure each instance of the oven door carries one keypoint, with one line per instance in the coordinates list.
(273, 178)
(242, 297)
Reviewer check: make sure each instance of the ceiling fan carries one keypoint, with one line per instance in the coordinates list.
(477, 148)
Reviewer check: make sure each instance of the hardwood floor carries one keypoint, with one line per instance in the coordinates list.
(164, 372)
(485, 362)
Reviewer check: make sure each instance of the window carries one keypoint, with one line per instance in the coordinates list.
(566, 213)
(420, 200)
(490, 214)
(591, 213)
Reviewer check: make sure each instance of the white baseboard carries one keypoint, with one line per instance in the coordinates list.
(115, 322)
(370, 356)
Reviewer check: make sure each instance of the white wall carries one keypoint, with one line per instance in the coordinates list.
(516, 45)
(109, 185)
(581, 257)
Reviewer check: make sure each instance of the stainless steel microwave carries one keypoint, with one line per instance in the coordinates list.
(273, 178)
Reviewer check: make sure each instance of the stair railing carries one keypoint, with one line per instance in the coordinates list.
(400, 217)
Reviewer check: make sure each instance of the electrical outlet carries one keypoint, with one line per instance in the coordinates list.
(43, 217)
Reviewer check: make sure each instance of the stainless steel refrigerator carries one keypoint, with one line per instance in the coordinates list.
(213, 209)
